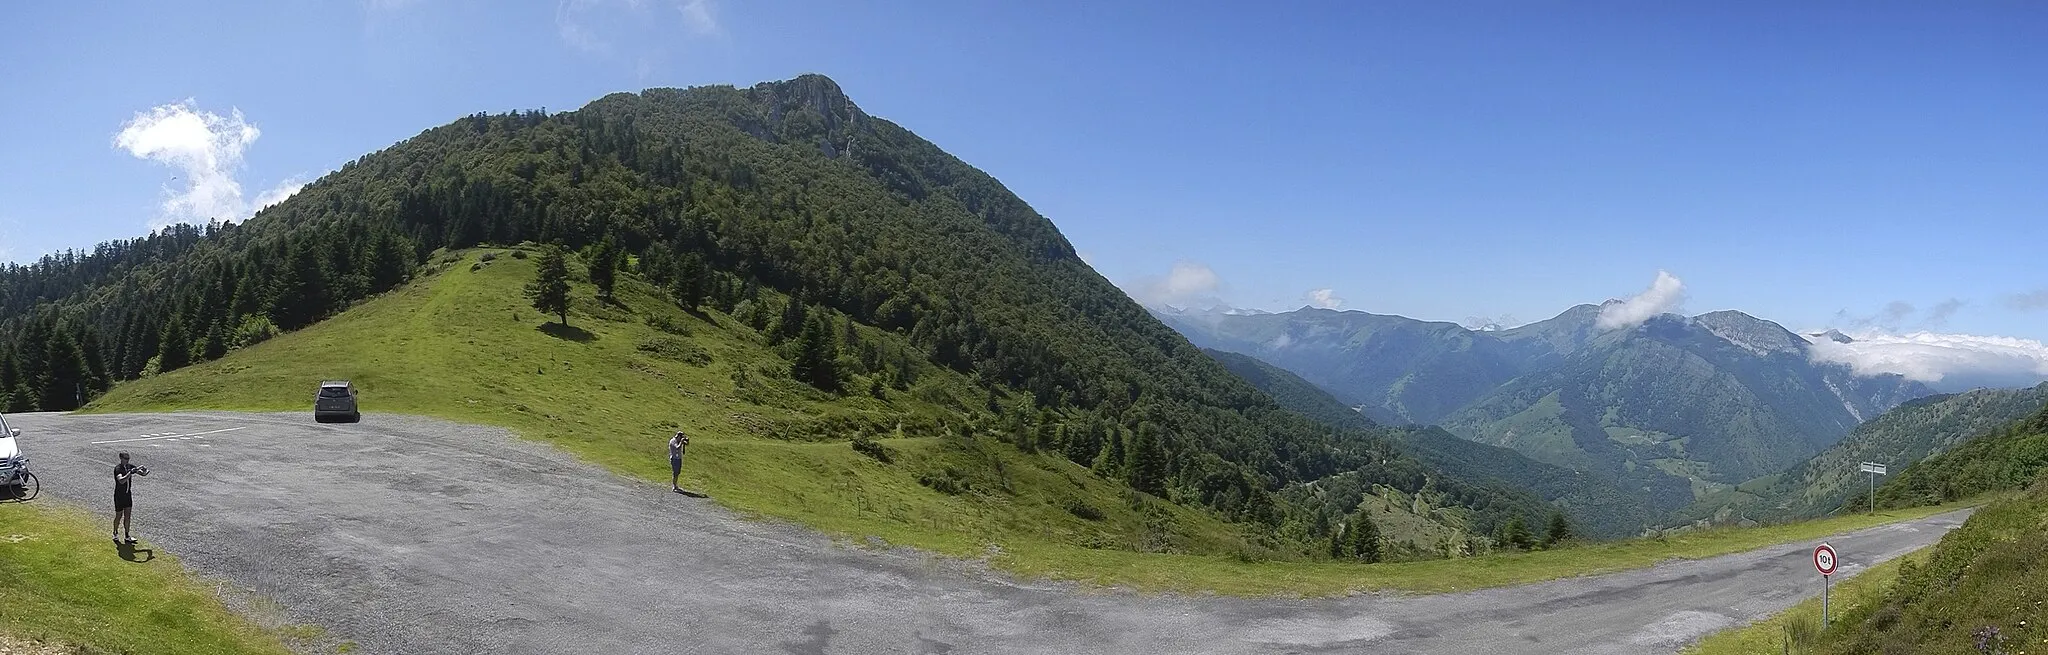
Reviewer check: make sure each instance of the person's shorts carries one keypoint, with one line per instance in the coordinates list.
(675, 465)
(122, 500)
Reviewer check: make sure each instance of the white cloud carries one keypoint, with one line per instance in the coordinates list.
(1932, 357)
(203, 147)
(1325, 298)
(1664, 294)
(1187, 284)
(700, 16)
(279, 193)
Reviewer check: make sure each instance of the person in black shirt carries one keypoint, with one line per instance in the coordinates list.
(124, 501)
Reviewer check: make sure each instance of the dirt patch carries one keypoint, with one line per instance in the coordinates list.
(11, 645)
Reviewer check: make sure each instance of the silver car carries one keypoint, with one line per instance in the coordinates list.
(336, 401)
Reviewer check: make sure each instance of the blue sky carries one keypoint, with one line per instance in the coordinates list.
(1872, 166)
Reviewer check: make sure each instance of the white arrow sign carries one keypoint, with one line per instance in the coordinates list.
(1873, 467)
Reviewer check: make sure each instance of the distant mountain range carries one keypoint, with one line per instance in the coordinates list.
(1714, 399)
(1603, 508)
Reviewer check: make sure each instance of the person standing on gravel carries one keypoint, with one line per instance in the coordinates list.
(124, 501)
(676, 444)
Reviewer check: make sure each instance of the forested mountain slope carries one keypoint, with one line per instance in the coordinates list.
(1898, 438)
(782, 205)
(1599, 506)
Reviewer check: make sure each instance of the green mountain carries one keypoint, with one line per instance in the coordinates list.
(1906, 434)
(1600, 507)
(1399, 370)
(1715, 399)
(1710, 400)
(782, 207)
(2008, 458)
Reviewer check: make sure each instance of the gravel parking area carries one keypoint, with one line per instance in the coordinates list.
(411, 535)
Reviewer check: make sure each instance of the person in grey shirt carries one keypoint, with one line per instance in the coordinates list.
(676, 444)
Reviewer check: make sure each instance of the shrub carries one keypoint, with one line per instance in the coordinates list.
(866, 446)
(252, 331)
(665, 324)
(1082, 509)
(519, 254)
(488, 256)
(675, 350)
(948, 481)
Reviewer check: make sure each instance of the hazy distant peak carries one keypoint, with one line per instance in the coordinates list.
(1751, 333)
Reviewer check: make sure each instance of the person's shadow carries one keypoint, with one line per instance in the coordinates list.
(137, 555)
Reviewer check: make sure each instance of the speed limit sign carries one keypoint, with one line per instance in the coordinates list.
(1824, 559)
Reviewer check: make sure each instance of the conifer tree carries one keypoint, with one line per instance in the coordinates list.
(1362, 538)
(1559, 530)
(176, 349)
(1147, 470)
(549, 289)
(604, 267)
(817, 355)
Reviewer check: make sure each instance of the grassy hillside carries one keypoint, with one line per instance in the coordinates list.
(1980, 590)
(464, 345)
(62, 583)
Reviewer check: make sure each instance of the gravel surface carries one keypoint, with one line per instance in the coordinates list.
(411, 535)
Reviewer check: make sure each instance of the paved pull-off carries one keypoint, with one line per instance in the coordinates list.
(410, 535)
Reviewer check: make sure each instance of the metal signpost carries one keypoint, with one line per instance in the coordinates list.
(1874, 469)
(1824, 560)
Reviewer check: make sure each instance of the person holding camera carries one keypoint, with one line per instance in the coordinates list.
(124, 501)
(676, 444)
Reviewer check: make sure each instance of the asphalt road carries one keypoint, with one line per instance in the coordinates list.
(409, 535)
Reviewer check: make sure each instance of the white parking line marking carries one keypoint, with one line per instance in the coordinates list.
(169, 436)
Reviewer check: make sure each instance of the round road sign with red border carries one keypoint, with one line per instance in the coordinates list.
(1824, 559)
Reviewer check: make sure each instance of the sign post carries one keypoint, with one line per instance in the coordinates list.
(1824, 561)
(1874, 469)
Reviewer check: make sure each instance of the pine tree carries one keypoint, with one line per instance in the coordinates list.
(792, 323)
(1362, 538)
(1147, 469)
(549, 289)
(1558, 531)
(63, 386)
(691, 280)
(176, 349)
(817, 355)
(604, 267)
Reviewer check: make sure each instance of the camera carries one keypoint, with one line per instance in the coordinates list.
(142, 470)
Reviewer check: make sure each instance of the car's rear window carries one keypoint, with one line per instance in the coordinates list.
(333, 392)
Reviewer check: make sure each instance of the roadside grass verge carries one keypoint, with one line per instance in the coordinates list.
(1798, 630)
(463, 345)
(1232, 576)
(62, 582)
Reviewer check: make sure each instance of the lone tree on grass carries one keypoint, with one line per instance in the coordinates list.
(549, 289)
